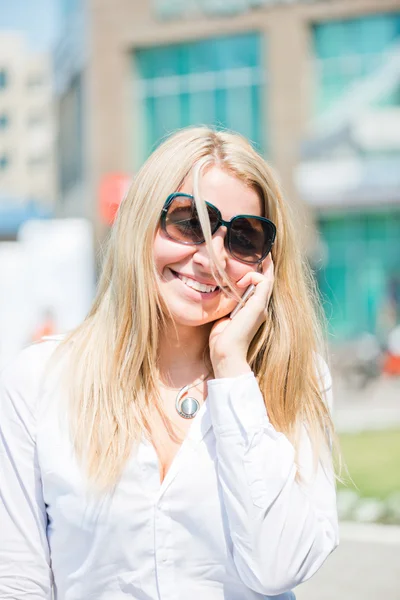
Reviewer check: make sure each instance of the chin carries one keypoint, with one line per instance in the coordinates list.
(192, 320)
(196, 317)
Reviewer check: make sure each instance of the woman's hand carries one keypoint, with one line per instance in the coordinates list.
(230, 338)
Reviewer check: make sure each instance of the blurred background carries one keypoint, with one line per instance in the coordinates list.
(88, 88)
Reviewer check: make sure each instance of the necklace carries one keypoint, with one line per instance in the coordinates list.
(188, 407)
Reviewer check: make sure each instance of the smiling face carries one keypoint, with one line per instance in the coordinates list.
(183, 268)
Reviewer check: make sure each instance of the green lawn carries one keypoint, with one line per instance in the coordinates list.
(373, 462)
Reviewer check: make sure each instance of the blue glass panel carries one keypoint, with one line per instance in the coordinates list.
(201, 56)
(149, 130)
(351, 49)
(189, 90)
(238, 51)
(258, 127)
(357, 282)
(155, 62)
(202, 108)
(239, 108)
(166, 115)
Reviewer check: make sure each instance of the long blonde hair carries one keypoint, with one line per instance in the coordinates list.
(113, 353)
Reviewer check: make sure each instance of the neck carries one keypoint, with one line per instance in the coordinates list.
(183, 354)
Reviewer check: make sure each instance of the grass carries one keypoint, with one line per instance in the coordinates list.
(373, 462)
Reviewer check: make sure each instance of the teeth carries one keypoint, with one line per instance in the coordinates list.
(200, 287)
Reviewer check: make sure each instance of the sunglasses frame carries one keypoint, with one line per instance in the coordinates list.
(220, 222)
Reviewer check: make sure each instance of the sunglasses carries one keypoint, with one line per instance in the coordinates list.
(248, 239)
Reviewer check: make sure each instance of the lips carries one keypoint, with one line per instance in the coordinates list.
(202, 288)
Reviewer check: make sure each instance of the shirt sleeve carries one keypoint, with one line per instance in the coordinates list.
(24, 553)
(282, 528)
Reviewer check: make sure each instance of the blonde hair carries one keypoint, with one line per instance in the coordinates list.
(113, 354)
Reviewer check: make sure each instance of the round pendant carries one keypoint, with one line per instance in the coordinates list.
(189, 407)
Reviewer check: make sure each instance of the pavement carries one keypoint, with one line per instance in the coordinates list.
(365, 566)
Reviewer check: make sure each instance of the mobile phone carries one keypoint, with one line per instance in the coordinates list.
(249, 291)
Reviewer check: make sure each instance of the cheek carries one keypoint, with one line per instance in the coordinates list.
(167, 252)
(237, 270)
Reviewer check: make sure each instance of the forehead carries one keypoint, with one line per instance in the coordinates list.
(230, 195)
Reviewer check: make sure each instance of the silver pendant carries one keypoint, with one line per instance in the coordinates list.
(187, 408)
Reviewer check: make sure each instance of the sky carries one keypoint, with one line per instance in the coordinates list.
(37, 18)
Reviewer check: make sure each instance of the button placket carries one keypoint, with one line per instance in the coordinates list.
(163, 550)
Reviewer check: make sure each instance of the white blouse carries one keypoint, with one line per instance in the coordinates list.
(229, 521)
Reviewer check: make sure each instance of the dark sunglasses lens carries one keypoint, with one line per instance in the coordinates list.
(251, 239)
(182, 222)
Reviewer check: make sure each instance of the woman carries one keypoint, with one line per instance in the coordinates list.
(119, 478)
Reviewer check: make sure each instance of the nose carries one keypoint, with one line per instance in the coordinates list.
(202, 258)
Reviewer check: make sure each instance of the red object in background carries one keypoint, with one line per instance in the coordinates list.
(112, 190)
(391, 365)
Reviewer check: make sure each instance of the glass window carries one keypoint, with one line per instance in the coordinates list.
(362, 266)
(351, 50)
(207, 82)
(358, 59)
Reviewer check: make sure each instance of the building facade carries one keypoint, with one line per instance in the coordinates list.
(313, 84)
(27, 132)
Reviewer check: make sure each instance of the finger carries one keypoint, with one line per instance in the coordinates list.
(261, 296)
(248, 279)
(259, 280)
(257, 305)
(251, 315)
(267, 268)
(263, 291)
